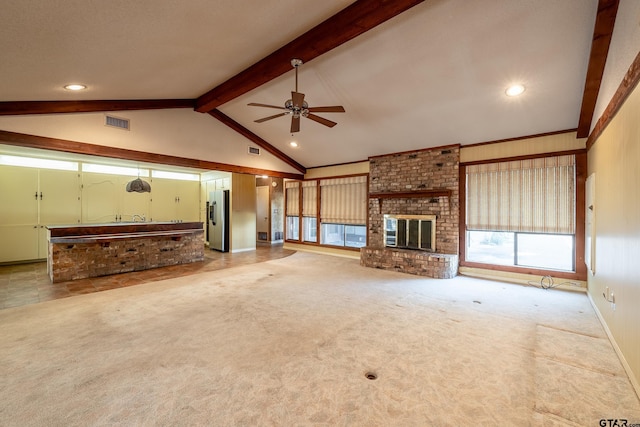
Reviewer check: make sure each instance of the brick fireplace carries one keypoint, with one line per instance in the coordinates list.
(423, 182)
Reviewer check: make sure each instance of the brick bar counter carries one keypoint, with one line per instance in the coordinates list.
(92, 250)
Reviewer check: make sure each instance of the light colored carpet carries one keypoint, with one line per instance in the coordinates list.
(288, 342)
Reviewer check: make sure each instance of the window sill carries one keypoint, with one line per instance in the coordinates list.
(526, 270)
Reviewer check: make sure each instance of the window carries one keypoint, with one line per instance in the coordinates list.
(337, 205)
(32, 162)
(114, 170)
(293, 224)
(351, 236)
(522, 213)
(547, 251)
(310, 227)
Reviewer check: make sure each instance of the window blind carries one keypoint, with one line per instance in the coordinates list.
(293, 197)
(344, 200)
(533, 195)
(310, 198)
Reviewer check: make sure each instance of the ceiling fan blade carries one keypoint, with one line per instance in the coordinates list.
(295, 124)
(264, 119)
(321, 120)
(332, 109)
(297, 98)
(253, 104)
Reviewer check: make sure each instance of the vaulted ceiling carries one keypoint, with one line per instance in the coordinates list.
(411, 74)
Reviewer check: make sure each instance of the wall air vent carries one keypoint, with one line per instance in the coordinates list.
(254, 150)
(116, 122)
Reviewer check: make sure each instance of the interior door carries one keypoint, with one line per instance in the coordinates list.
(18, 213)
(262, 213)
(59, 204)
(164, 200)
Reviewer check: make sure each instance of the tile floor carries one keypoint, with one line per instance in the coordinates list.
(22, 284)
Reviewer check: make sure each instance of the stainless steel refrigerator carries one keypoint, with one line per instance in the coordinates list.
(219, 220)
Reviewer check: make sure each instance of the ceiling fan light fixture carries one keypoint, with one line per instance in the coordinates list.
(515, 90)
(297, 107)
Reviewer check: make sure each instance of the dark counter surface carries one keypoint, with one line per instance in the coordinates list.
(121, 228)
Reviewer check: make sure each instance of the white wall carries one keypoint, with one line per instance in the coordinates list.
(175, 132)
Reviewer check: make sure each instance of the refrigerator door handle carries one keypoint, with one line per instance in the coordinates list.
(212, 213)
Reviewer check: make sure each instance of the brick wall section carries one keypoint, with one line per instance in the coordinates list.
(435, 169)
(69, 261)
(438, 266)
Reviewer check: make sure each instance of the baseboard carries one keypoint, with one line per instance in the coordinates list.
(634, 382)
(317, 249)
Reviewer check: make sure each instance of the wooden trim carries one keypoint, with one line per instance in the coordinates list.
(520, 138)
(628, 84)
(352, 21)
(526, 157)
(462, 217)
(45, 143)
(318, 205)
(411, 194)
(602, 32)
(419, 150)
(300, 213)
(581, 179)
(256, 139)
(10, 108)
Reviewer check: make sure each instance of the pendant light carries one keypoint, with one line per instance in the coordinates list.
(138, 185)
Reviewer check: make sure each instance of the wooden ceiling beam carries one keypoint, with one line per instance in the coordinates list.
(355, 19)
(602, 32)
(256, 139)
(12, 108)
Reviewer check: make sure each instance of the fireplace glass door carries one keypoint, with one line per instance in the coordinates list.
(410, 231)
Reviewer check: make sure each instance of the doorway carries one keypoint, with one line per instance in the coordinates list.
(263, 222)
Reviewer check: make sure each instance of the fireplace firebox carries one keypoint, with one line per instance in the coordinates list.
(410, 232)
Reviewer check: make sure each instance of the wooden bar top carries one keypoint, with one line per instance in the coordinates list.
(120, 228)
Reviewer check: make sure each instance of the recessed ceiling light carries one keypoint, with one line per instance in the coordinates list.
(75, 87)
(514, 90)
(293, 144)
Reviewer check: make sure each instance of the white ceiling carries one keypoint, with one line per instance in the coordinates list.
(434, 75)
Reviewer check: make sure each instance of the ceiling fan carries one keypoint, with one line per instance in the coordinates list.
(297, 107)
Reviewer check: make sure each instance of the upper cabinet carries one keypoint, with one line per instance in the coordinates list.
(175, 200)
(105, 199)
